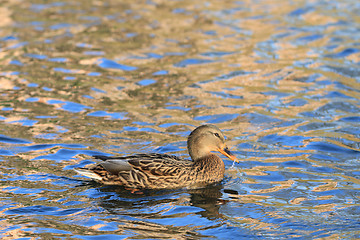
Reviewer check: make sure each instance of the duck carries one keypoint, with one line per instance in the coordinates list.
(163, 171)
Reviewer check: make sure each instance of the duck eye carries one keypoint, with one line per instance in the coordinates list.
(217, 135)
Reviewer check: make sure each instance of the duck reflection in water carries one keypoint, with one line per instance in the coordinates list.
(155, 204)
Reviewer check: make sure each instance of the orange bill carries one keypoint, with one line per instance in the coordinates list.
(227, 153)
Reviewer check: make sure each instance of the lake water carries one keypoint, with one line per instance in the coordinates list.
(280, 78)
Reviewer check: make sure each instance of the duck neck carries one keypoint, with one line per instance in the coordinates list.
(210, 163)
(197, 153)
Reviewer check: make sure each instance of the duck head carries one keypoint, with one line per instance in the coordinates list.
(206, 139)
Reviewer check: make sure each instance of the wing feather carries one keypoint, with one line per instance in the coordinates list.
(140, 170)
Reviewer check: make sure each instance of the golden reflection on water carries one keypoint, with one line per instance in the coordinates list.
(256, 75)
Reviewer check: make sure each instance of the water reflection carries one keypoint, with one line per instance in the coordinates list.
(148, 211)
(103, 77)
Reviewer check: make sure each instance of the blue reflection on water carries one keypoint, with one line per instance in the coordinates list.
(216, 54)
(178, 108)
(69, 106)
(348, 71)
(95, 74)
(284, 140)
(41, 7)
(332, 148)
(114, 115)
(300, 11)
(61, 60)
(310, 38)
(60, 26)
(64, 153)
(161, 72)
(346, 52)
(8, 38)
(64, 70)
(32, 99)
(36, 56)
(146, 82)
(192, 61)
(6, 139)
(227, 76)
(351, 119)
(106, 63)
(33, 85)
(216, 118)
(47, 89)
(47, 136)
(98, 90)
(16, 62)
(94, 53)
(25, 122)
(298, 173)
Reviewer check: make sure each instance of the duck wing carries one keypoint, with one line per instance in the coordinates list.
(154, 163)
(140, 170)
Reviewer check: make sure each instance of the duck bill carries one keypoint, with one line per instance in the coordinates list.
(225, 151)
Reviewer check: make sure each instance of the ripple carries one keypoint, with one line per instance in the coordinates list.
(62, 154)
(161, 72)
(47, 136)
(121, 77)
(344, 53)
(317, 126)
(256, 118)
(137, 129)
(60, 60)
(95, 53)
(284, 140)
(216, 118)
(106, 63)
(228, 76)
(226, 95)
(216, 54)
(6, 139)
(345, 71)
(69, 106)
(177, 108)
(97, 90)
(16, 62)
(36, 56)
(8, 38)
(146, 82)
(111, 116)
(300, 11)
(33, 85)
(33, 99)
(60, 26)
(331, 148)
(310, 38)
(42, 210)
(337, 94)
(351, 119)
(24, 122)
(64, 70)
(192, 61)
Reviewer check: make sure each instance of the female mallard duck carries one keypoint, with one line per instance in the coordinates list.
(160, 171)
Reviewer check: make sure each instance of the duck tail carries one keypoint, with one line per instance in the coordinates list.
(88, 173)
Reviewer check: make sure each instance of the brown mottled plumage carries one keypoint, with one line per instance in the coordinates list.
(160, 171)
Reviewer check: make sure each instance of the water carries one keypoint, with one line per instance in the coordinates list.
(281, 78)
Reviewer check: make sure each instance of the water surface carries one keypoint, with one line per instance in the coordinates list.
(280, 78)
